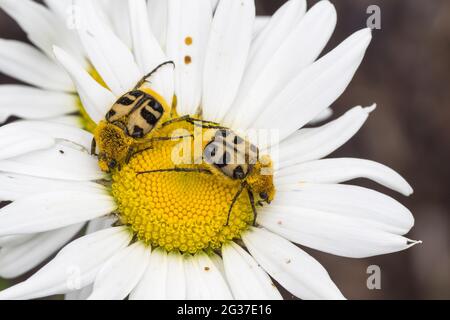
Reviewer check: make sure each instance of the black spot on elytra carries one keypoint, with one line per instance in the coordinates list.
(149, 117)
(226, 157)
(224, 161)
(135, 93)
(223, 133)
(110, 114)
(156, 106)
(210, 152)
(138, 132)
(125, 101)
(238, 140)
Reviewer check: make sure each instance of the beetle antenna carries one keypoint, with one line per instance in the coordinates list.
(199, 170)
(148, 75)
(252, 203)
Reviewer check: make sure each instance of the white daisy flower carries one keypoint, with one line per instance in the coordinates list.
(169, 236)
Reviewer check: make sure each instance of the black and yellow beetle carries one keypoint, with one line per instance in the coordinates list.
(228, 155)
(133, 116)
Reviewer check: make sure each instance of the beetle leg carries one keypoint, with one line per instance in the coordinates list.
(129, 154)
(236, 196)
(166, 138)
(252, 203)
(93, 147)
(198, 170)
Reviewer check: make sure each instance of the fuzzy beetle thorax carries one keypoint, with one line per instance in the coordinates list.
(113, 144)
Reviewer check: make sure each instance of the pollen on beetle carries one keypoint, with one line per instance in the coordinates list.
(185, 211)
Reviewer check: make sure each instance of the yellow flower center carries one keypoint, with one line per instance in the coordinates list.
(184, 211)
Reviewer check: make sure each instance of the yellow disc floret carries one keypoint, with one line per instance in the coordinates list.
(184, 211)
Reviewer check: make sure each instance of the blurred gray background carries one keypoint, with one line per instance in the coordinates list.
(407, 73)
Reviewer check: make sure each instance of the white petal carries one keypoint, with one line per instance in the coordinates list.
(270, 72)
(350, 201)
(204, 279)
(176, 277)
(193, 289)
(31, 103)
(74, 267)
(290, 266)
(62, 8)
(260, 23)
(43, 27)
(16, 260)
(120, 274)
(218, 262)
(95, 98)
(15, 240)
(81, 294)
(22, 137)
(15, 143)
(266, 45)
(281, 24)
(332, 233)
(15, 187)
(109, 55)
(324, 115)
(148, 53)
(73, 121)
(53, 210)
(341, 170)
(93, 226)
(120, 19)
(24, 62)
(226, 56)
(62, 162)
(164, 278)
(100, 224)
(158, 14)
(188, 20)
(315, 88)
(246, 278)
(152, 285)
(214, 4)
(60, 132)
(106, 11)
(311, 144)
